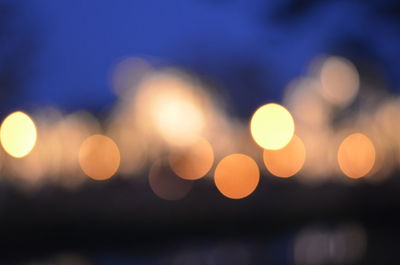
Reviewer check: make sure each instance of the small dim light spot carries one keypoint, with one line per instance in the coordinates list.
(356, 155)
(99, 157)
(18, 134)
(237, 176)
(194, 161)
(287, 161)
(339, 81)
(272, 126)
(165, 184)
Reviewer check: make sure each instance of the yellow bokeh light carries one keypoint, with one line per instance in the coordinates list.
(194, 161)
(237, 176)
(287, 161)
(99, 157)
(18, 134)
(272, 126)
(356, 155)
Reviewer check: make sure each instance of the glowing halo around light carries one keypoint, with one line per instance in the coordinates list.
(356, 155)
(18, 134)
(237, 176)
(99, 157)
(272, 126)
(287, 161)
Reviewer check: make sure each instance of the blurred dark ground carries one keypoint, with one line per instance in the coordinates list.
(60, 53)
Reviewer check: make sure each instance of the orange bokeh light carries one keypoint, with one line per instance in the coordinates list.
(237, 176)
(356, 155)
(194, 161)
(99, 157)
(287, 161)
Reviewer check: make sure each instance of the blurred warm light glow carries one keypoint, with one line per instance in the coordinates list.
(340, 81)
(236, 176)
(386, 118)
(356, 155)
(167, 111)
(99, 157)
(194, 161)
(71, 131)
(175, 117)
(171, 106)
(287, 161)
(272, 126)
(165, 184)
(18, 134)
(131, 143)
(41, 163)
(321, 155)
(305, 104)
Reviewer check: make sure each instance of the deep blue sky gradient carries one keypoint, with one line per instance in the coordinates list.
(250, 49)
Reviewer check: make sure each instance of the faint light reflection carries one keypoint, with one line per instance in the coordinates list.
(345, 244)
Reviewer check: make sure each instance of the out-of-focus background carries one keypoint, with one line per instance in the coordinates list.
(204, 132)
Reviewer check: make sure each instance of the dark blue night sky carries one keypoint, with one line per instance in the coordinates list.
(251, 49)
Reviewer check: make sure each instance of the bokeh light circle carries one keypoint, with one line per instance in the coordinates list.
(194, 161)
(339, 81)
(356, 155)
(99, 157)
(287, 161)
(272, 126)
(165, 184)
(18, 134)
(236, 176)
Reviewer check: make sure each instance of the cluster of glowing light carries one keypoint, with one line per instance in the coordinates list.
(175, 118)
(99, 157)
(236, 176)
(339, 81)
(272, 126)
(356, 155)
(287, 161)
(170, 106)
(165, 184)
(194, 161)
(18, 134)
